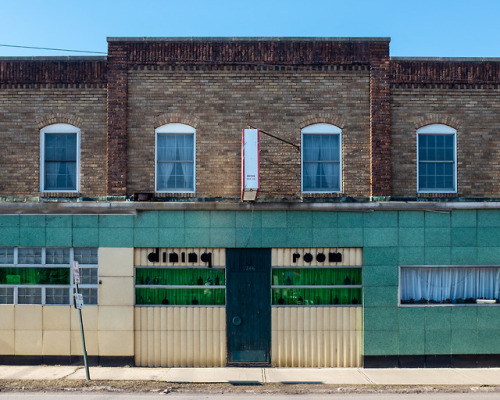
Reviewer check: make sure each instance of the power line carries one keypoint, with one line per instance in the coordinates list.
(53, 49)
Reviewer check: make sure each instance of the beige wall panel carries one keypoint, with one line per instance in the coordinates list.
(316, 336)
(116, 291)
(28, 342)
(89, 317)
(56, 343)
(283, 257)
(116, 318)
(56, 318)
(91, 343)
(7, 342)
(116, 261)
(28, 317)
(116, 343)
(7, 313)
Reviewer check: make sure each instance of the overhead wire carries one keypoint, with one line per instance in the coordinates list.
(52, 49)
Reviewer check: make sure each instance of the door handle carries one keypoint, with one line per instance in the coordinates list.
(236, 321)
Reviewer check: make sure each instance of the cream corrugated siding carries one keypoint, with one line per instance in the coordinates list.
(141, 257)
(316, 336)
(180, 336)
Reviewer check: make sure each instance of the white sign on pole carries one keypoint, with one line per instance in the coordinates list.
(250, 181)
(76, 272)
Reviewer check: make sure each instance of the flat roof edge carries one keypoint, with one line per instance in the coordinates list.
(56, 58)
(453, 59)
(248, 39)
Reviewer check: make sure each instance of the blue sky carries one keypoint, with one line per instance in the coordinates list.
(417, 28)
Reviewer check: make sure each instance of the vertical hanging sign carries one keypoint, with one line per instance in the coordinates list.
(250, 180)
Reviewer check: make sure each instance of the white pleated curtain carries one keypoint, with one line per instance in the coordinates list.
(452, 283)
(175, 162)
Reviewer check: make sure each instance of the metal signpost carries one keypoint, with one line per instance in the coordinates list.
(79, 306)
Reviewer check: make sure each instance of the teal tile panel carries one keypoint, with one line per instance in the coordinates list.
(59, 221)
(116, 221)
(197, 237)
(146, 237)
(488, 255)
(464, 317)
(274, 219)
(350, 237)
(222, 219)
(488, 218)
(85, 237)
(31, 236)
(197, 219)
(85, 221)
(274, 237)
(381, 296)
(437, 317)
(411, 318)
(116, 237)
(325, 237)
(174, 237)
(464, 256)
(411, 255)
(409, 237)
(438, 341)
(147, 219)
(381, 237)
(464, 237)
(437, 237)
(299, 237)
(488, 341)
(438, 219)
(437, 255)
(464, 218)
(380, 318)
(380, 256)
(411, 341)
(464, 341)
(9, 220)
(9, 235)
(380, 275)
(59, 237)
(325, 219)
(488, 317)
(299, 219)
(222, 237)
(411, 219)
(248, 219)
(246, 237)
(381, 219)
(380, 342)
(488, 237)
(350, 220)
(35, 221)
(171, 219)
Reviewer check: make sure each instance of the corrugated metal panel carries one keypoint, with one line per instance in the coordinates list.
(316, 337)
(180, 336)
(283, 257)
(141, 256)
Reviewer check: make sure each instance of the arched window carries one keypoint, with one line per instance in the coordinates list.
(437, 159)
(175, 166)
(321, 158)
(59, 158)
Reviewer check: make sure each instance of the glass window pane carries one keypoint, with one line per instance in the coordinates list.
(6, 255)
(6, 295)
(57, 255)
(57, 296)
(89, 276)
(29, 255)
(86, 255)
(192, 296)
(26, 295)
(309, 297)
(90, 296)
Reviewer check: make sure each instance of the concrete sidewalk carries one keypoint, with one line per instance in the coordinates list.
(332, 376)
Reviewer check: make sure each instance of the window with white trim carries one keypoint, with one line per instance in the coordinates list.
(321, 158)
(36, 275)
(436, 154)
(175, 165)
(59, 158)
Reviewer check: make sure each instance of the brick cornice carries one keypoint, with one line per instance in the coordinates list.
(58, 118)
(328, 118)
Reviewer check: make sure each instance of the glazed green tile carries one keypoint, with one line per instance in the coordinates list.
(464, 317)
(464, 237)
(174, 237)
(274, 237)
(488, 218)
(438, 219)
(222, 237)
(325, 219)
(325, 237)
(464, 341)
(146, 237)
(350, 220)
(488, 341)
(380, 256)
(381, 296)
(411, 219)
(197, 219)
(222, 219)
(411, 255)
(382, 342)
(488, 317)
(381, 219)
(438, 317)
(411, 341)
(9, 235)
(85, 221)
(437, 341)
(350, 237)
(197, 237)
(464, 218)
(411, 237)
(299, 219)
(116, 221)
(58, 237)
(9, 220)
(437, 237)
(32, 236)
(34, 221)
(248, 219)
(411, 318)
(85, 237)
(171, 219)
(381, 237)
(488, 237)
(116, 237)
(488, 255)
(147, 219)
(246, 237)
(463, 255)
(437, 256)
(380, 318)
(299, 237)
(274, 219)
(383, 275)
(59, 221)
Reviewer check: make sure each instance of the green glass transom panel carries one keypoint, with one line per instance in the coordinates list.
(34, 276)
(311, 297)
(190, 296)
(316, 276)
(180, 277)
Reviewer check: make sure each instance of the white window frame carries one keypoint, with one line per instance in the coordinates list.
(59, 129)
(320, 129)
(438, 129)
(175, 129)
